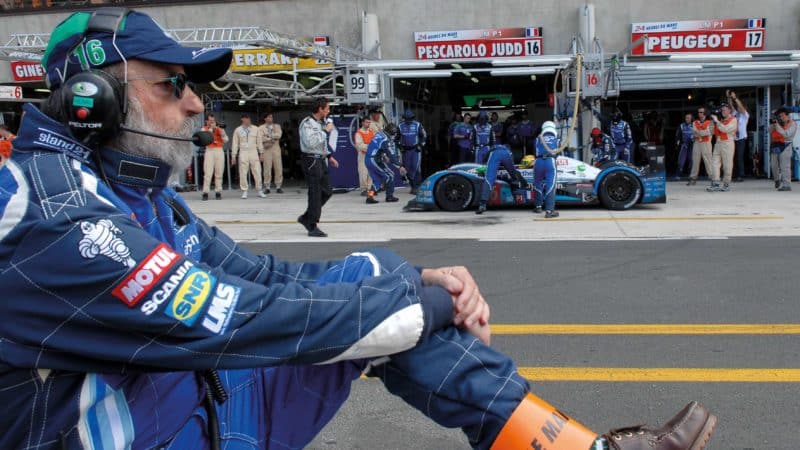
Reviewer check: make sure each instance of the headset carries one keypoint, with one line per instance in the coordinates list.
(93, 102)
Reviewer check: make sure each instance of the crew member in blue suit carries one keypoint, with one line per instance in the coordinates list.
(544, 178)
(684, 139)
(130, 323)
(411, 139)
(601, 147)
(381, 160)
(482, 138)
(527, 132)
(463, 135)
(621, 136)
(497, 128)
(499, 157)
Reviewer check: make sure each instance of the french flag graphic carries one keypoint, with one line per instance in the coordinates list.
(755, 23)
(533, 32)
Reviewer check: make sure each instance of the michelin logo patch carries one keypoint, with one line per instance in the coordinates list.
(222, 307)
(101, 238)
(191, 296)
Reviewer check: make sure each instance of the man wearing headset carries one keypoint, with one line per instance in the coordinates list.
(134, 324)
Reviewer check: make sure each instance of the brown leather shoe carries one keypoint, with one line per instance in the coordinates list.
(690, 429)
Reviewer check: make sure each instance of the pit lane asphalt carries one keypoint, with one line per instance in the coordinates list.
(733, 281)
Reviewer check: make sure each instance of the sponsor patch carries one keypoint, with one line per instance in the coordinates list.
(191, 296)
(167, 288)
(145, 275)
(102, 238)
(222, 307)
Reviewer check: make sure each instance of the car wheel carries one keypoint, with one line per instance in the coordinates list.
(620, 190)
(454, 193)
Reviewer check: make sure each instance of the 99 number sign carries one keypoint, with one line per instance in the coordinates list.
(357, 83)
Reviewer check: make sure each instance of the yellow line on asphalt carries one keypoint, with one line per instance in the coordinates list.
(656, 219)
(662, 375)
(680, 329)
(290, 222)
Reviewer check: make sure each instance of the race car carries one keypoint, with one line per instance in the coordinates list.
(614, 185)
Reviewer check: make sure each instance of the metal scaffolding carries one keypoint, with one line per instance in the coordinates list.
(268, 86)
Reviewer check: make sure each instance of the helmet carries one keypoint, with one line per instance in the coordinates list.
(483, 117)
(408, 114)
(596, 132)
(390, 129)
(549, 127)
(527, 161)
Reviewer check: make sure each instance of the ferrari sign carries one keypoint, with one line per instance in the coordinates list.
(265, 59)
(473, 44)
(717, 35)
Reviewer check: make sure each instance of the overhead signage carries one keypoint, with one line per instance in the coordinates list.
(24, 71)
(475, 44)
(10, 93)
(716, 35)
(267, 59)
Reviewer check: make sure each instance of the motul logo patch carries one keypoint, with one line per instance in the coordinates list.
(145, 275)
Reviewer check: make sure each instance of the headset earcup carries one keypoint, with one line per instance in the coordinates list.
(92, 102)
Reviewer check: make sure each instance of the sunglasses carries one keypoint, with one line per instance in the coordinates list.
(176, 83)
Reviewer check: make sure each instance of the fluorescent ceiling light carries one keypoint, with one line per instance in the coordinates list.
(455, 66)
(467, 74)
(532, 60)
(420, 74)
(475, 80)
(396, 64)
(242, 102)
(339, 85)
(513, 71)
(667, 66)
(407, 83)
(773, 66)
(315, 78)
(711, 57)
(42, 90)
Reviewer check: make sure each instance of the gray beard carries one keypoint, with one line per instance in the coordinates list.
(177, 154)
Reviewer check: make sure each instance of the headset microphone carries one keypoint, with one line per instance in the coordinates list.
(199, 138)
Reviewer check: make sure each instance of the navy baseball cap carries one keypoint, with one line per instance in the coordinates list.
(138, 37)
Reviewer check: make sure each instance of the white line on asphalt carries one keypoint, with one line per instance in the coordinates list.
(609, 238)
(308, 240)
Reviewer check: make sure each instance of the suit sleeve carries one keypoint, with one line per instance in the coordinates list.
(95, 292)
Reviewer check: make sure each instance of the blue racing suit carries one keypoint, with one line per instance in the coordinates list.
(685, 139)
(379, 150)
(497, 129)
(411, 139)
(544, 171)
(604, 151)
(482, 141)
(499, 157)
(464, 142)
(122, 296)
(623, 140)
(527, 135)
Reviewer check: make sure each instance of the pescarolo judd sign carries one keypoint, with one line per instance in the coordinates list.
(714, 35)
(475, 44)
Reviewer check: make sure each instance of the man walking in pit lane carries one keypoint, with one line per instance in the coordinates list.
(411, 139)
(482, 138)
(134, 324)
(381, 158)
(544, 178)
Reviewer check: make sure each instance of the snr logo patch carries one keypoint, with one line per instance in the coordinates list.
(191, 296)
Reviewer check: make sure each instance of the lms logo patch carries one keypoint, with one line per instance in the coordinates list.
(191, 296)
(222, 307)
